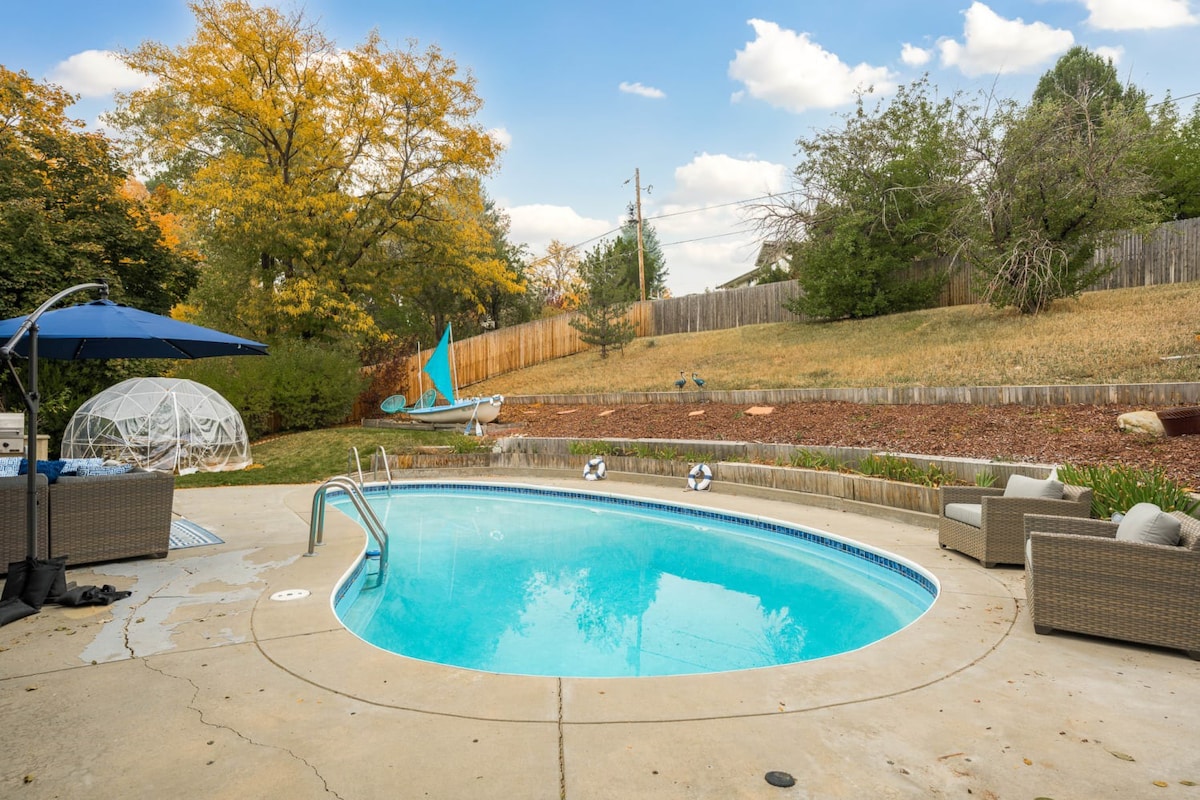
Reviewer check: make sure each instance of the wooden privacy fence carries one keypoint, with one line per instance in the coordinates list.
(497, 352)
(1168, 254)
(730, 308)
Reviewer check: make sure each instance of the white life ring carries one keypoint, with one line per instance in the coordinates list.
(699, 478)
(594, 470)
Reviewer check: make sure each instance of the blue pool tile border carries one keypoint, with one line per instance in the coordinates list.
(651, 505)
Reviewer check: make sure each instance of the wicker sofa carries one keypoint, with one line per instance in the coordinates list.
(14, 536)
(1080, 578)
(95, 518)
(1000, 536)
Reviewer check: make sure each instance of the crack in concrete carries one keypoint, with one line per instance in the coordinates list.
(191, 704)
(562, 751)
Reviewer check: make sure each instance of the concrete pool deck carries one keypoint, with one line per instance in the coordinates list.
(200, 685)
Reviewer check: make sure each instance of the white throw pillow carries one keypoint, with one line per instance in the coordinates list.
(10, 467)
(1148, 523)
(1023, 486)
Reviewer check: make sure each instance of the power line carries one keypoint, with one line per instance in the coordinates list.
(722, 205)
(702, 238)
(680, 214)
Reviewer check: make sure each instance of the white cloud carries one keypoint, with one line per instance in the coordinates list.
(96, 73)
(721, 178)
(789, 71)
(642, 91)
(501, 135)
(537, 224)
(915, 56)
(1125, 15)
(707, 240)
(1113, 54)
(994, 45)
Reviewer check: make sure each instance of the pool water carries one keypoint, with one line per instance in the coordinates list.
(545, 582)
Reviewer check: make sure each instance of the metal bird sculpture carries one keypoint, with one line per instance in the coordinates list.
(698, 381)
(682, 382)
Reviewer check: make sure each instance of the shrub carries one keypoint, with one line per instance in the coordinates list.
(1117, 489)
(299, 386)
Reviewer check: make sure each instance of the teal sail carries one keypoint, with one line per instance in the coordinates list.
(438, 368)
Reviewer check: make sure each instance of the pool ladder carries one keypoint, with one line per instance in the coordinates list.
(354, 466)
(316, 529)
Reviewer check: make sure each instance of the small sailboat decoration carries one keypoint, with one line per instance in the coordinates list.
(471, 411)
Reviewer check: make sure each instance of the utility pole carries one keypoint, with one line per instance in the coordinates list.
(637, 182)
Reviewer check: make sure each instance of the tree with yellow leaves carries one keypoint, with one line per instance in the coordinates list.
(556, 276)
(297, 165)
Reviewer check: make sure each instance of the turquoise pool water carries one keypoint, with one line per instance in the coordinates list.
(574, 584)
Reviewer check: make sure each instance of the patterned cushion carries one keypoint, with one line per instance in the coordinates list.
(10, 467)
(87, 471)
(71, 465)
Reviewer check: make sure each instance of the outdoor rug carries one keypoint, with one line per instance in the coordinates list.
(188, 534)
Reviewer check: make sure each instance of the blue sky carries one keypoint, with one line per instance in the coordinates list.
(705, 99)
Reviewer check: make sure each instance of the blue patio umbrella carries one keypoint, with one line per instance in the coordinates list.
(99, 329)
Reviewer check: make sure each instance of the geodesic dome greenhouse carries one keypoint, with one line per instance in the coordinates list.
(160, 423)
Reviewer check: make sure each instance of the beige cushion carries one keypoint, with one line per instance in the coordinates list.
(1022, 486)
(1148, 523)
(969, 513)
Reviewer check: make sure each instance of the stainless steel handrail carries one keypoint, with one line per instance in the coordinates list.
(387, 469)
(354, 467)
(316, 528)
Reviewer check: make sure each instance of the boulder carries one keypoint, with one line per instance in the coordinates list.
(1141, 422)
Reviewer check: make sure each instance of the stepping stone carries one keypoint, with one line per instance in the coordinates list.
(606, 413)
(568, 411)
(695, 413)
(760, 411)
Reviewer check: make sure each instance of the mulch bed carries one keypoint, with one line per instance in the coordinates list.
(1081, 435)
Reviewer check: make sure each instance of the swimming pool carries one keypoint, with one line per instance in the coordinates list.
(535, 581)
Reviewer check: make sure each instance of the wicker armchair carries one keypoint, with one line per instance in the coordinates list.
(1080, 578)
(14, 537)
(1000, 537)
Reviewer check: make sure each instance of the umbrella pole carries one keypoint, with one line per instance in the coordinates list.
(32, 403)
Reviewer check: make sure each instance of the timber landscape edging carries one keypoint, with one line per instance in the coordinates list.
(1147, 394)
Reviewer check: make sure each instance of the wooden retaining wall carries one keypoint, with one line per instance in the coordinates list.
(729, 454)
(1142, 394)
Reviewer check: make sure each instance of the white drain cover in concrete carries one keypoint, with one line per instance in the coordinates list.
(291, 594)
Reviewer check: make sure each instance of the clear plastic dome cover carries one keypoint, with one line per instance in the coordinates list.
(160, 423)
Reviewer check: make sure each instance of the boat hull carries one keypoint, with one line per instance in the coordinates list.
(468, 409)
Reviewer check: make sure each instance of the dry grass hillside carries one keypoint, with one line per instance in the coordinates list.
(1120, 336)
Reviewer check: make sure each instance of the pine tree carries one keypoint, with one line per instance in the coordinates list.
(601, 320)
